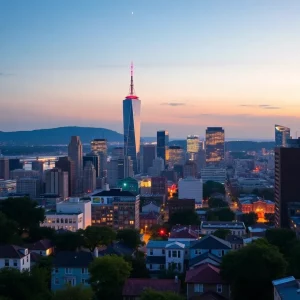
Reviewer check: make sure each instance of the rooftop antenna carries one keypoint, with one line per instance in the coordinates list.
(131, 80)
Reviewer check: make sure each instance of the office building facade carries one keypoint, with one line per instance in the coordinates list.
(89, 177)
(191, 188)
(15, 164)
(162, 139)
(215, 145)
(117, 169)
(94, 158)
(148, 154)
(192, 146)
(57, 183)
(67, 165)
(176, 156)
(99, 146)
(4, 168)
(132, 126)
(29, 186)
(282, 135)
(287, 187)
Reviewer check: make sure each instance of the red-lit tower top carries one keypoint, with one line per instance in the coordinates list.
(131, 90)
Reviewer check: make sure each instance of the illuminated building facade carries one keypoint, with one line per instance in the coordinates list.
(132, 125)
(176, 156)
(282, 135)
(215, 145)
(99, 146)
(89, 177)
(192, 144)
(146, 186)
(162, 138)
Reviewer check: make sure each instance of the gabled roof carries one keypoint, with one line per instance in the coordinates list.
(234, 239)
(163, 244)
(184, 232)
(136, 286)
(210, 242)
(205, 273)
(72, 259)
(117, 248)
(175, 245)
(206, 255)
(11, 251)
(41, 245)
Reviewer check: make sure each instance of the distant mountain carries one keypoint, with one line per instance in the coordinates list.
(58, 136)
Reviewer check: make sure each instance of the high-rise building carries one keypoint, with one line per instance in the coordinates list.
(131, 125)
(15, 164)
(148, 154)
(30, 186)
(287, 187)
(89, 177)
(99, 146)
(57, 183)
(191, 188)
(158, 165)
(212, 173)
(94, 158)
(215, 145)
(190, 169)
(282, 135)
(159, 186)
(4, 168)
(38, 165)
(192, 146)
(67, 165)
(176, 156)
(129, 184)
(118, 168)
(21, 173)
(75, 154)
(118, 152)
(162, 139)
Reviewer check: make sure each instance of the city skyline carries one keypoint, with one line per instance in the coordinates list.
(211, 66)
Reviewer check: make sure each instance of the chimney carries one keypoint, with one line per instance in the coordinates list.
(96, 252)
(176, 279)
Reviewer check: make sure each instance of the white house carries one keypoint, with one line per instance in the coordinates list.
(12, 256)
(66, 221)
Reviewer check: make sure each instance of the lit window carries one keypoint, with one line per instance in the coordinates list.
(131, 222)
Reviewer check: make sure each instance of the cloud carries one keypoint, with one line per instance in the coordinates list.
(262, 106)
(173, 103)
(2, 74)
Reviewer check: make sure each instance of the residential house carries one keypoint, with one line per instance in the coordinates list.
(148, 219)
(184, 233)
(116, 248)
(42, 247)
(134, 287)
(257, 230)
(205, 258)
(16, 257)
(236, 228)
(70, 268)
(287, 288)
(206, 280)
(210, 244)
(236, 242)
(162, 255)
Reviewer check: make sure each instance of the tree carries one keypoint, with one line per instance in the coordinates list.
(216, 202)
(74, 293)
(250, 219)
(223, 214)
(130, 238)
(252, 269)
(45, 263)
(108, 274)
(23, 211)
(294, 260)
(8, 229)
(281, 238)
(26, 285)
(156, 229)
(210, 187)
(138, 265)
(184, 217)
(95, 236)
(68, 241)
(149, 294)
(222, 233)
(38, 233)
(270, 218)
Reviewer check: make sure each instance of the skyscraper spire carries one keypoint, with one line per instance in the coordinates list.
(131, 93)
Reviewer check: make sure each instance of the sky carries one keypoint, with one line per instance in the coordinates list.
(198, 63)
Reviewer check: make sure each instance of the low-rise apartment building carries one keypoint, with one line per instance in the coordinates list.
(236, 228)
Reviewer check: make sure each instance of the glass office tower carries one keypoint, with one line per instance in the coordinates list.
(215, 145)
(282, 135)
(162, 139)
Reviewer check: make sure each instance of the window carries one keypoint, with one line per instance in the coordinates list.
(174, 253)
(68, 271)
(163, 251)
(169, 254)
(61, 220)
(16, 263)
(84, 270)
(56, 270)
(131, 222)
(196, 251)
(56, 280)
(179, 253)
(219, 288)
(27, 258)
(23, 261)
(84, 281)
(41, 252)
(151, 252)
(150, 266)
(7, 263)
(198, 288)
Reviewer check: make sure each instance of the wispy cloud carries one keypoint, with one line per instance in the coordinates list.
(3, 74)
(261, 106)
(173, 103)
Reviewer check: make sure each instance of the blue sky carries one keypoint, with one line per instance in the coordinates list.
(197, 63)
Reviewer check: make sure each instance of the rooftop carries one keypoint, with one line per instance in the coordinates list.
(205, 273)
(136, 286)
(206, 255)
(55, 213)
(287, 288)
(72, 259)
(164, 244)
(210, 242)
(115, 193)
(219, 224)
(11, 251)
(41, 245)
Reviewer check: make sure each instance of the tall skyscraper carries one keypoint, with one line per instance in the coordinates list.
(192, 146)
(287, 187)
(176, 156)
(162, 139)
(148, 154)
(118, 152)
(38, 165)
(94, 158)
(282, 135)
(119, 168)
(131, 125)
(57, 183)
(215, 145)
(4, 168)
(75, 154)
(68, 165)
(89, 177)
(100, 146)
(29, 186)
(15, 164)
